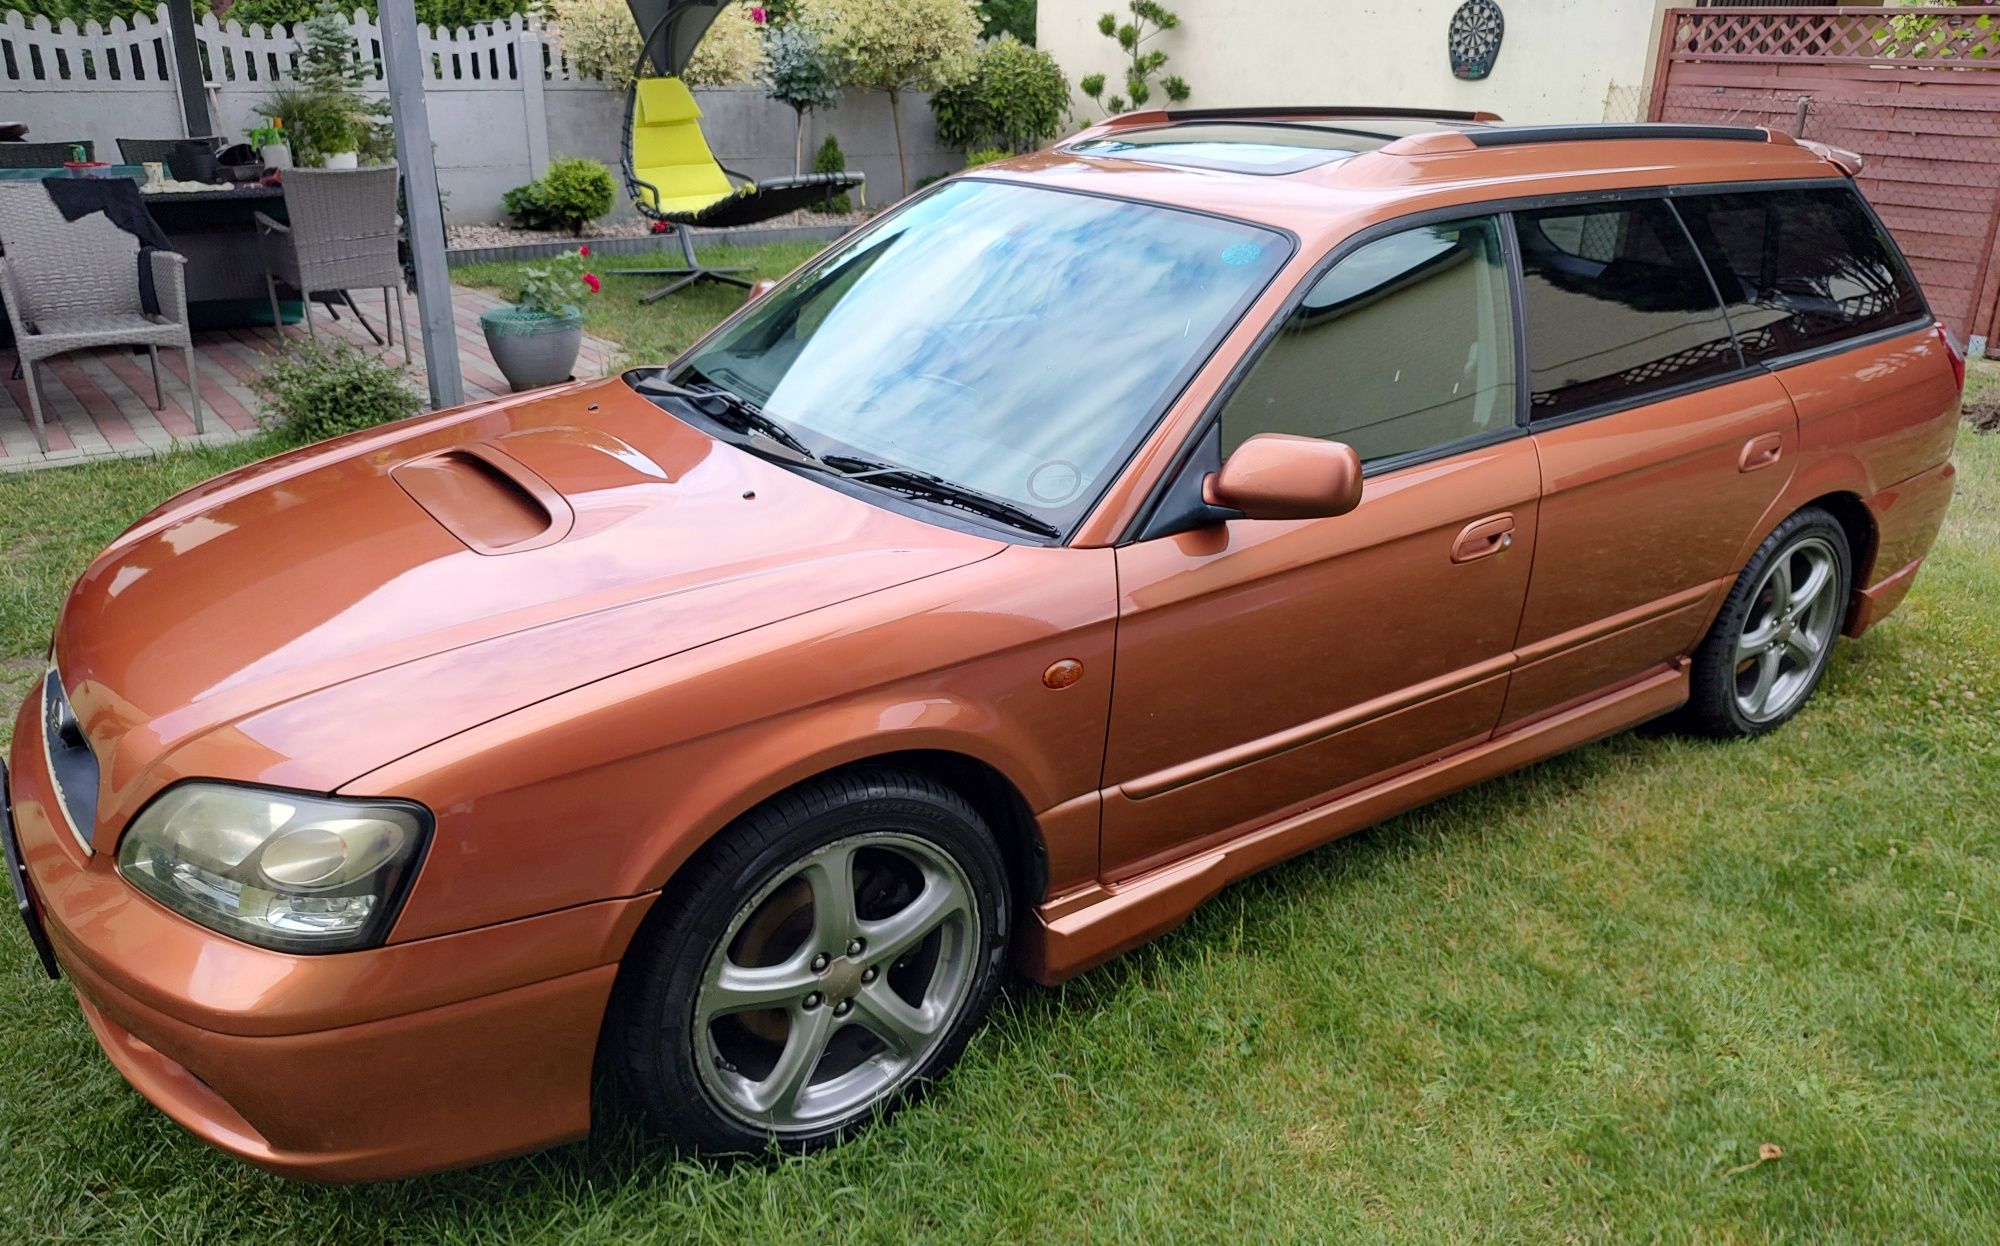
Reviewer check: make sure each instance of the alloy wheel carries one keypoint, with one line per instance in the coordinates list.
(835, 982)
(1788, 631)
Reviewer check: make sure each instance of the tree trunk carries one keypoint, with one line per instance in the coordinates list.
(799, 143)
(896, 119)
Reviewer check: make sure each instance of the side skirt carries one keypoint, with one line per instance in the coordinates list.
(1084, 928)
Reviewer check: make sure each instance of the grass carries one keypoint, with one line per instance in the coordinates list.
(1569, 1005)
(654, 334)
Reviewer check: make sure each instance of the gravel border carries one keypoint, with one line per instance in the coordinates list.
(487, 236)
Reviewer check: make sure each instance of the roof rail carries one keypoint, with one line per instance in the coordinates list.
(1508, 136)
(1325, 110)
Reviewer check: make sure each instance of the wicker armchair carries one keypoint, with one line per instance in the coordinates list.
(142, 150)
(72, 285)
(43, 155)
(342, 236)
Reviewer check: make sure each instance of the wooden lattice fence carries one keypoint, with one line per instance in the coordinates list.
(1916, 91)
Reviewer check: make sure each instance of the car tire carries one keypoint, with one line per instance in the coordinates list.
(1770, 644)
(751, 1011)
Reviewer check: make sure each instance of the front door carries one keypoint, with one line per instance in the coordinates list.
(1263, 664)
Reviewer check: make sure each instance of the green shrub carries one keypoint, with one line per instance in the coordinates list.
(986, 155)
(527, 206)
(311, 393)
(574, 192)
(1016, 98)
(832, 160)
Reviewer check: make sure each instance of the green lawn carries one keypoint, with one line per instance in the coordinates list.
(655, 334)
(1567, 1006)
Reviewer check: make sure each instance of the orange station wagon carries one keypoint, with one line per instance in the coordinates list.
(1084, 534)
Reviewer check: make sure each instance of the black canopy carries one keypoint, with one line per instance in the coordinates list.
(684, 22)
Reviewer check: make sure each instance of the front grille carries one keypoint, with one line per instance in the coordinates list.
(72, 766)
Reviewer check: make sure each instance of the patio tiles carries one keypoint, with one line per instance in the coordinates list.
(99, 403)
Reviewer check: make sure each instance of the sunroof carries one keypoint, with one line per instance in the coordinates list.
(1253, 147)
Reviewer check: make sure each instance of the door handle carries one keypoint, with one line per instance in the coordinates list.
(1482, 537)
(1760, 452)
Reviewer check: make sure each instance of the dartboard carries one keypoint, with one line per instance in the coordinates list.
(1475, 38)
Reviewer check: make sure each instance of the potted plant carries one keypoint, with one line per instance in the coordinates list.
(535, 339)
(269, 140)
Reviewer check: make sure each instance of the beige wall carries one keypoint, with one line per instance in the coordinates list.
(1559, 59)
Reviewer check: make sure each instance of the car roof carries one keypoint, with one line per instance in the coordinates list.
(1315, 170)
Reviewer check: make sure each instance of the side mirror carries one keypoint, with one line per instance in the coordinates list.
(1282, 476)
(759, 290)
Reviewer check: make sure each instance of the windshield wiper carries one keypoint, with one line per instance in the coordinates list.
(729, 409)
(910, 481)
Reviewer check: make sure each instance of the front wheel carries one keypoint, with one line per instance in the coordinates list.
(815, 966)
(1771, 642)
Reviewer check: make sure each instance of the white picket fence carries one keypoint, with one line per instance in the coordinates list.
(39, 55)
(495, 121)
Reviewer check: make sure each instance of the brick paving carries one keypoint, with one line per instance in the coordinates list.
(99, 403)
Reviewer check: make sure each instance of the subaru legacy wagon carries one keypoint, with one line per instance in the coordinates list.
(1087, 532)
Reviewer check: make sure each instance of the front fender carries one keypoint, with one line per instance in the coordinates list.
(606, 790)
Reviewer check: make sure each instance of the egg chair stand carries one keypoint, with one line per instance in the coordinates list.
(671, 175)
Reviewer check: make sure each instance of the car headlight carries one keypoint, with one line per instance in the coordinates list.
(285, 871)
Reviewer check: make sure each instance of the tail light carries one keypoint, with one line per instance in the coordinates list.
(1957, 355)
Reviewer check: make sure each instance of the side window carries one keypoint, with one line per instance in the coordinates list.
(1800, 268)
(1617, 306)
(1406, 344)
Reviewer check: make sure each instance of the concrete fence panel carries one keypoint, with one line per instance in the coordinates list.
(503, 100)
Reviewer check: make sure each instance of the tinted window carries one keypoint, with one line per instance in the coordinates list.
(1800, 268)
(1407, 343)
(1618, 306)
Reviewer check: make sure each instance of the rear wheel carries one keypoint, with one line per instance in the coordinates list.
(815, 966)
(1770, 645)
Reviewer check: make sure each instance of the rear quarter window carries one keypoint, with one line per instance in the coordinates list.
(1800, 269)
(1618, 307)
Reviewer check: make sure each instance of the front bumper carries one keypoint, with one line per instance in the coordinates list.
(408, 1058)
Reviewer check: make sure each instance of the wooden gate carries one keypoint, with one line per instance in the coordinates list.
(1916, 91)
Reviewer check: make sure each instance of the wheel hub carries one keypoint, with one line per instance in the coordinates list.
(840, 980)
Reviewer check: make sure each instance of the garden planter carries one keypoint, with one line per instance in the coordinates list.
(531, 348)
(343, 160)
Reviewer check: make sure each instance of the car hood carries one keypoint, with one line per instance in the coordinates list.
(338, 607)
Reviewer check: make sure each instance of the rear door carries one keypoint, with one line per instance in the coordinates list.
(1264, 663)
(1661, 447)
(1819, 295)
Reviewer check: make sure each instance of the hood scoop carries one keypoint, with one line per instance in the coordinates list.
(487, 499)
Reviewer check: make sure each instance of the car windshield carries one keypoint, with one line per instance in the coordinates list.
(1010, 339)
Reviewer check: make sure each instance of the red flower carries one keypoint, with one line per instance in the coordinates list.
(590, 279)
(583, 250)
(759, 15)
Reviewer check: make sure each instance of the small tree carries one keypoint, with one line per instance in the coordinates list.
(325, 110)
(893, 46)
(1009, 17)
(329, 70)
(729, 53)
(800, 76)
(598, 38)
(1016, 98)
(1141, 66)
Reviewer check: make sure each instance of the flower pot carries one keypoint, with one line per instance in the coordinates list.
(532, 349)
(275, 156)
(343, 160)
